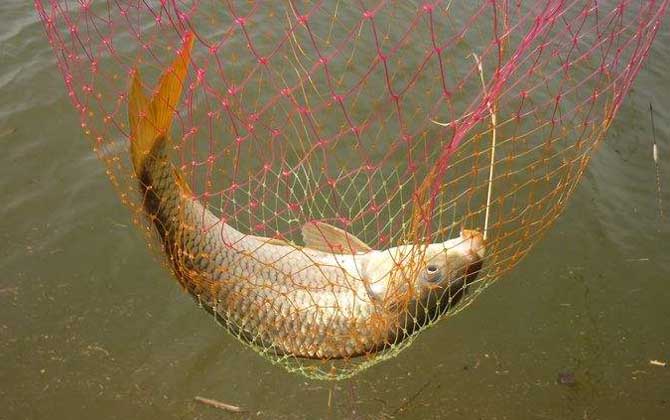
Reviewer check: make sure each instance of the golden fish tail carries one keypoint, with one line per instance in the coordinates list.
(151, 119)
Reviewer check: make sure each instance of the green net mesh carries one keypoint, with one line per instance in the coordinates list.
(335, 177)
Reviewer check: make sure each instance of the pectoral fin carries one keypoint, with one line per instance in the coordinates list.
(324, 237)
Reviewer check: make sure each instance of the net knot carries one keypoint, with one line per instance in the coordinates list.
(428, 7)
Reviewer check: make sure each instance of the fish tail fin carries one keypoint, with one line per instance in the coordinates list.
(151, 118)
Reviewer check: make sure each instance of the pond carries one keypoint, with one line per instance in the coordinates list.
(92, 327)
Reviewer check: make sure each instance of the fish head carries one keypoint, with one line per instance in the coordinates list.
(425, 274)
(453, 261)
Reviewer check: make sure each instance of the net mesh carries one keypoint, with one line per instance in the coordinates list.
(398, 122)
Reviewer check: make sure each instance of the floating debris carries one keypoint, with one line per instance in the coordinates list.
(567, 378)
(218, 404)
(7, 131)
(656, 164)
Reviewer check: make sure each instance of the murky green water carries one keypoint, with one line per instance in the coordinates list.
(92, 327)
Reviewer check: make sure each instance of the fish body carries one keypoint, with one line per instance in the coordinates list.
(311, 301)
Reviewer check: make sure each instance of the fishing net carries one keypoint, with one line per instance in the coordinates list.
(398, 122)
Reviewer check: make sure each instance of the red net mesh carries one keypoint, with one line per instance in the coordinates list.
(318, 149)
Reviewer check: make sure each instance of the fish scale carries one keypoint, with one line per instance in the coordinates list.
(281, 298)
(302, 317)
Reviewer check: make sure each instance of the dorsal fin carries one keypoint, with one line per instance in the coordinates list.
(324, 237)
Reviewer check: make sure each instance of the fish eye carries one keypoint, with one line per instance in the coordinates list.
(431, 268)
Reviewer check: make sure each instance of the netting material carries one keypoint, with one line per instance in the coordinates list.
(373, 117)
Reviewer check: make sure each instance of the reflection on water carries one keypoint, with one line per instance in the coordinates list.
(91, 325)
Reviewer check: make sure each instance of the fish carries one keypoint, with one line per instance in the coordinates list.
(333, 298)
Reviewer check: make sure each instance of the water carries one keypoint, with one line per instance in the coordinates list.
(91, 325)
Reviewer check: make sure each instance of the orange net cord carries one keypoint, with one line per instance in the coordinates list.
(336, 177)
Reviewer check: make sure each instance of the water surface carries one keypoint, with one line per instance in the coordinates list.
(91, 325)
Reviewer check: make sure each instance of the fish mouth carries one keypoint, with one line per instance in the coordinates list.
(472, 244)
(475, 248)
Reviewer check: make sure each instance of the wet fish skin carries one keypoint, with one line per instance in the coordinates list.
(297, 301)
(286, 299)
